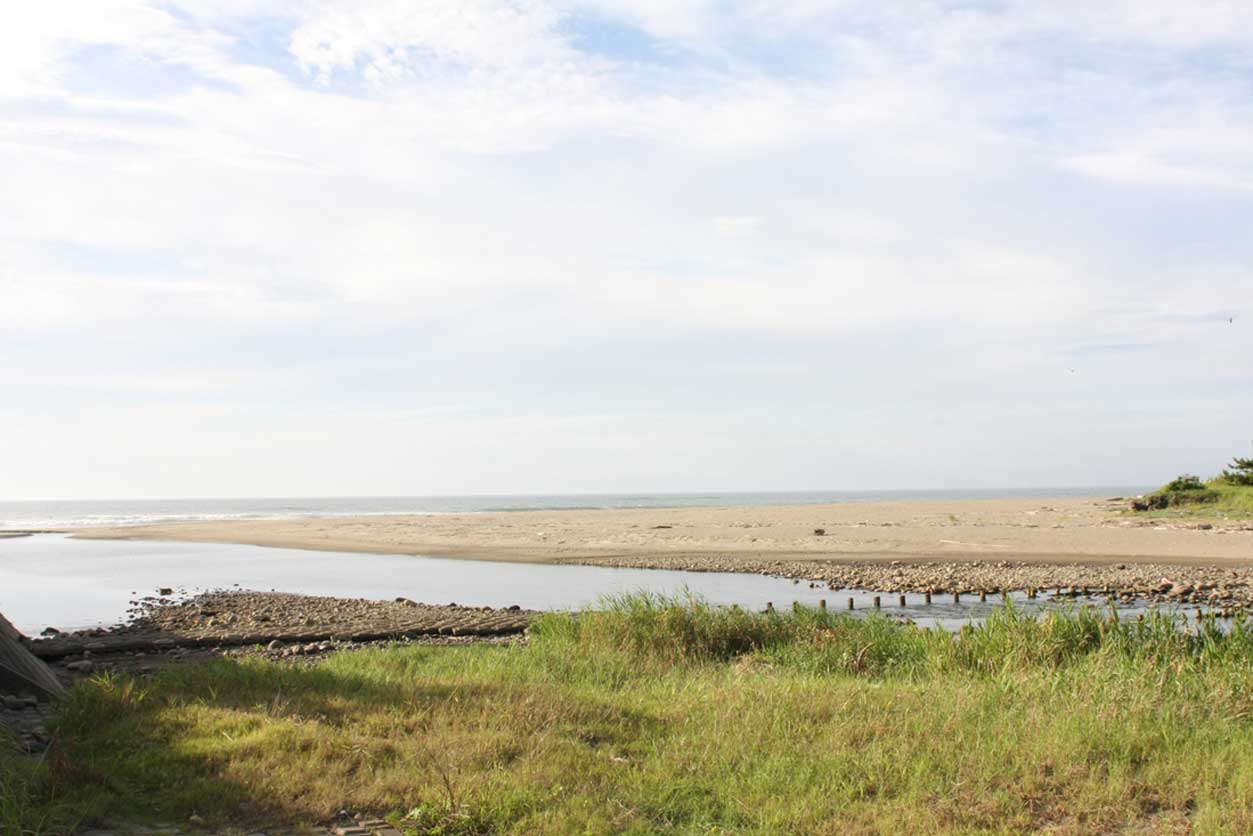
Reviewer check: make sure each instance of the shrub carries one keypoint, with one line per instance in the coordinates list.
(1185, 482)
(1182, 490)
(1167, 498)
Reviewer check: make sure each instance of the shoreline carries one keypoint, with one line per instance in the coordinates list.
(939, 546)
(1083, 531)
(294, 623)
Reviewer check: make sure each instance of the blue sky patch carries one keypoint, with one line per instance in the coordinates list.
(616, 40)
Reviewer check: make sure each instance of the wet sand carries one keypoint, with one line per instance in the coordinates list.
(1088, 532)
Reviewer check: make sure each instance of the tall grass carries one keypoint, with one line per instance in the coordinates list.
(29, 803)
(652, 630)
(660, 715)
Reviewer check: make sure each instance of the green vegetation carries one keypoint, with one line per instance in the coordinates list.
(1230, 494)
(1184, 484)
(1182, 491)
(654, 715)
(1239, 472)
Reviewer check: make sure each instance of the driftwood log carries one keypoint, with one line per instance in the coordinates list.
(20, 671)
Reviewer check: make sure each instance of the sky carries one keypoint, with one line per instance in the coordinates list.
(372, 247)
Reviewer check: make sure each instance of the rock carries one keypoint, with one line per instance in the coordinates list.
(165, 590)
(48, 632)
(81, 666)
(274, 645)
(195, 820)
(820, 532)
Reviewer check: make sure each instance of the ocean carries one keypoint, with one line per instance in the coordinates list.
(66, 514)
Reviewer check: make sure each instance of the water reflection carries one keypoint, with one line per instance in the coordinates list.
(53, 580)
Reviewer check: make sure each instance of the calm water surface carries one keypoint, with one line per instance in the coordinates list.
(54, 580)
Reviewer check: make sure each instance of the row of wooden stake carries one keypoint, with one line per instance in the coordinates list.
(983, 596)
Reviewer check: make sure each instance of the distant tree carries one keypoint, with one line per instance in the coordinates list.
(1239, 472)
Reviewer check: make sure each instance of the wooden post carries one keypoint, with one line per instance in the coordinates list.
(850, 603)
(957, 597)
(983, 595)
(876, 602)
(822, 603)
(902, 600)
(928, 598)
(770, 606)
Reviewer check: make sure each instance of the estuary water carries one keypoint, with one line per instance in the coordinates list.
(54, 580)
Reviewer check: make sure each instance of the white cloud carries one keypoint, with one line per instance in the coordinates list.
(735, 226)
(460, 190)
(385, 40)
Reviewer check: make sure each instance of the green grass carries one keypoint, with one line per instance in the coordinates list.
(1215, 500)
(665, 716)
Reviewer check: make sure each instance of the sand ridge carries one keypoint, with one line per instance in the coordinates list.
(1071, 531)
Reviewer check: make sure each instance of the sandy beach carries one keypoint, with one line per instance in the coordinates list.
(904, 546)
(1063, 531)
